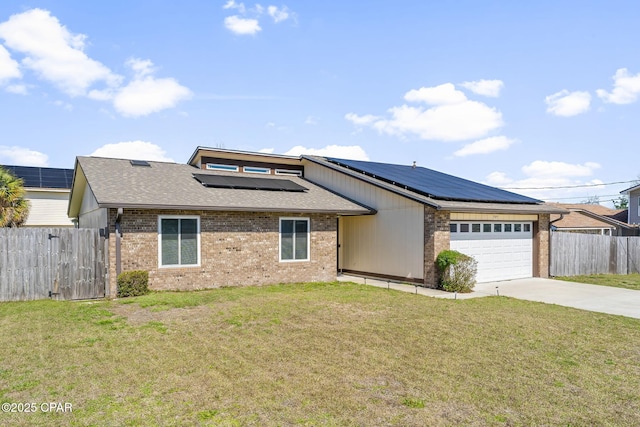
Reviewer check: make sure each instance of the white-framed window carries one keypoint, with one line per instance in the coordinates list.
(253, 169)
(294, 239)
(178, 241)
(490, 227)
(220, 167)
(288, 172)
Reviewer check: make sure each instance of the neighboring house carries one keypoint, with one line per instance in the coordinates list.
(593, 219)
(634, 204)
(232, 218)
(47, 190)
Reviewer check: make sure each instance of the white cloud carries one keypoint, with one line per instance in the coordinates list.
(136, 150)
(626, 88)
(141, 67)
(231, 4)
(242, 26)
(567, 104)
(541, 179)
(21, 156)
(485, 146)
(266, 150)
(540, 168)
(18, 89)
(9, 68)
(145, 94)
(490, 88)
(63, 105)
(367, 119)
(278, 14)
(354, 152)
(54, 53)
(443, 94)
(452, 118)
(246, 21)
(149, 95)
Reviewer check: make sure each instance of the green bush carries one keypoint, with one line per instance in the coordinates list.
(133, 283)
(457, 271)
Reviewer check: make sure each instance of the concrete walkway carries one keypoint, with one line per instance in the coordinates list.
(602, 299)
(404, 287)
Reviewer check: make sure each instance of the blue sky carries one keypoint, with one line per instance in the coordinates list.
(512, 94)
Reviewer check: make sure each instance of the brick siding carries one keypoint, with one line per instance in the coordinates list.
(541, 243)
(237, 248)
(436, 239)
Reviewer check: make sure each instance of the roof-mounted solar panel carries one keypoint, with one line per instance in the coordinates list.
(245, 183)
(140, 163)
(36, 177)
(432, 183)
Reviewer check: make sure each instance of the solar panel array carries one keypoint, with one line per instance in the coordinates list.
(35, 177)
(434, 184)
(246, 183)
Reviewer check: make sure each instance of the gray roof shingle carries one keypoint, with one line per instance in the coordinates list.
(117, 183)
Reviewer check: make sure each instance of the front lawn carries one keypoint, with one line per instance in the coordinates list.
(627, 281)
(318, 354)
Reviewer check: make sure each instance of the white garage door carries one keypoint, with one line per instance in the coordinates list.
(504, 250)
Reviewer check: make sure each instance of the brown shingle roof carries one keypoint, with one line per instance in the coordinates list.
(117, 183)
(584, 215)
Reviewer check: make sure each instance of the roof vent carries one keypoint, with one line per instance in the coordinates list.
(140, 163)
(414, 165)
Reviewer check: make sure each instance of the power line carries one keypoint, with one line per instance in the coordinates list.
(570, 186)
(582, 197)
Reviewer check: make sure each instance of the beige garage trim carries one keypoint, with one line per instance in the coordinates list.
(469, 216)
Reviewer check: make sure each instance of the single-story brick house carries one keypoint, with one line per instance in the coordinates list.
(196, 229)
(230, 217)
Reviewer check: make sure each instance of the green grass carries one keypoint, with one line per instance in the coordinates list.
(318, 354)
(627, 281)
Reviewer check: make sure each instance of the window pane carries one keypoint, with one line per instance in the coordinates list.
(189, 241)
(169, 230)
(497, 228)
(301, 239)
(527, 227)
(517, 228)
(453, 228)
(286, 239)
(464, 228)
(475, 228)
(486, 228)
(507, 228)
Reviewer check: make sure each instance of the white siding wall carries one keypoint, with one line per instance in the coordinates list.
(390, 242)
(48, 208)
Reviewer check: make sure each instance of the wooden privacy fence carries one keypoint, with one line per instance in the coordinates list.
(575, 254)
(58, 263)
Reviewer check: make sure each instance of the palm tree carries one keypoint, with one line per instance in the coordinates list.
(13, 206)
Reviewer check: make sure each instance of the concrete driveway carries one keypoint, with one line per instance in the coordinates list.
(603, 299)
